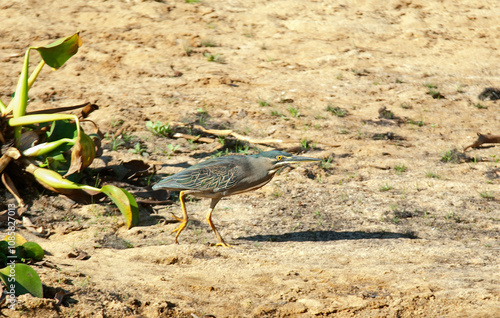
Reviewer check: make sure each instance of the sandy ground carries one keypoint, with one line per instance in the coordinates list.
(396, 222)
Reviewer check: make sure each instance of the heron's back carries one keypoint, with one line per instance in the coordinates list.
(213, 175)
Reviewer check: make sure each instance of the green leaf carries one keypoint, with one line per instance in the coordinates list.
(4, 248)
(3, 108)
(57, 163)
(62, 129)
(46, 147)
(58, 52)
(40, 118)
(55, 182)
(21, 279)
(20, 253)
(33, 251)
(3, 260)
(57, 159)
(125, 203)
(20, 101)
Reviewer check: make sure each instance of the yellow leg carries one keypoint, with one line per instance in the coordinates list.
(184, 219)
(209, 220)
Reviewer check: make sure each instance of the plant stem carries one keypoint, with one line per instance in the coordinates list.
(35, 73)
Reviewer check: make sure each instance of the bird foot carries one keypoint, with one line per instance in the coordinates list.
(179, 229)
(223, 244)
(178, 219)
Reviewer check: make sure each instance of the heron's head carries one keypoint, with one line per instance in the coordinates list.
(277, 159)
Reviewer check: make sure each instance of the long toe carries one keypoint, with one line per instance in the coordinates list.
(223, 244)
(178, 230)
(178, 219)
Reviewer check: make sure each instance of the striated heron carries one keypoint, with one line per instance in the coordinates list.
(220, 177)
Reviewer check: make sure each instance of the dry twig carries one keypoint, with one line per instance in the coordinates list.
(194, 138)
(224, 133)
(229, 132)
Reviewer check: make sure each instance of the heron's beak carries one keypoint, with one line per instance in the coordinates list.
(298, 159)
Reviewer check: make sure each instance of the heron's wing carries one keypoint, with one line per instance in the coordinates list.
(215, 175)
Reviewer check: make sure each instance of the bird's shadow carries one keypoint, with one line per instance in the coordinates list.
(323, 236)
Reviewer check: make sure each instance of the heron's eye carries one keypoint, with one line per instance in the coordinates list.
(279, 158)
